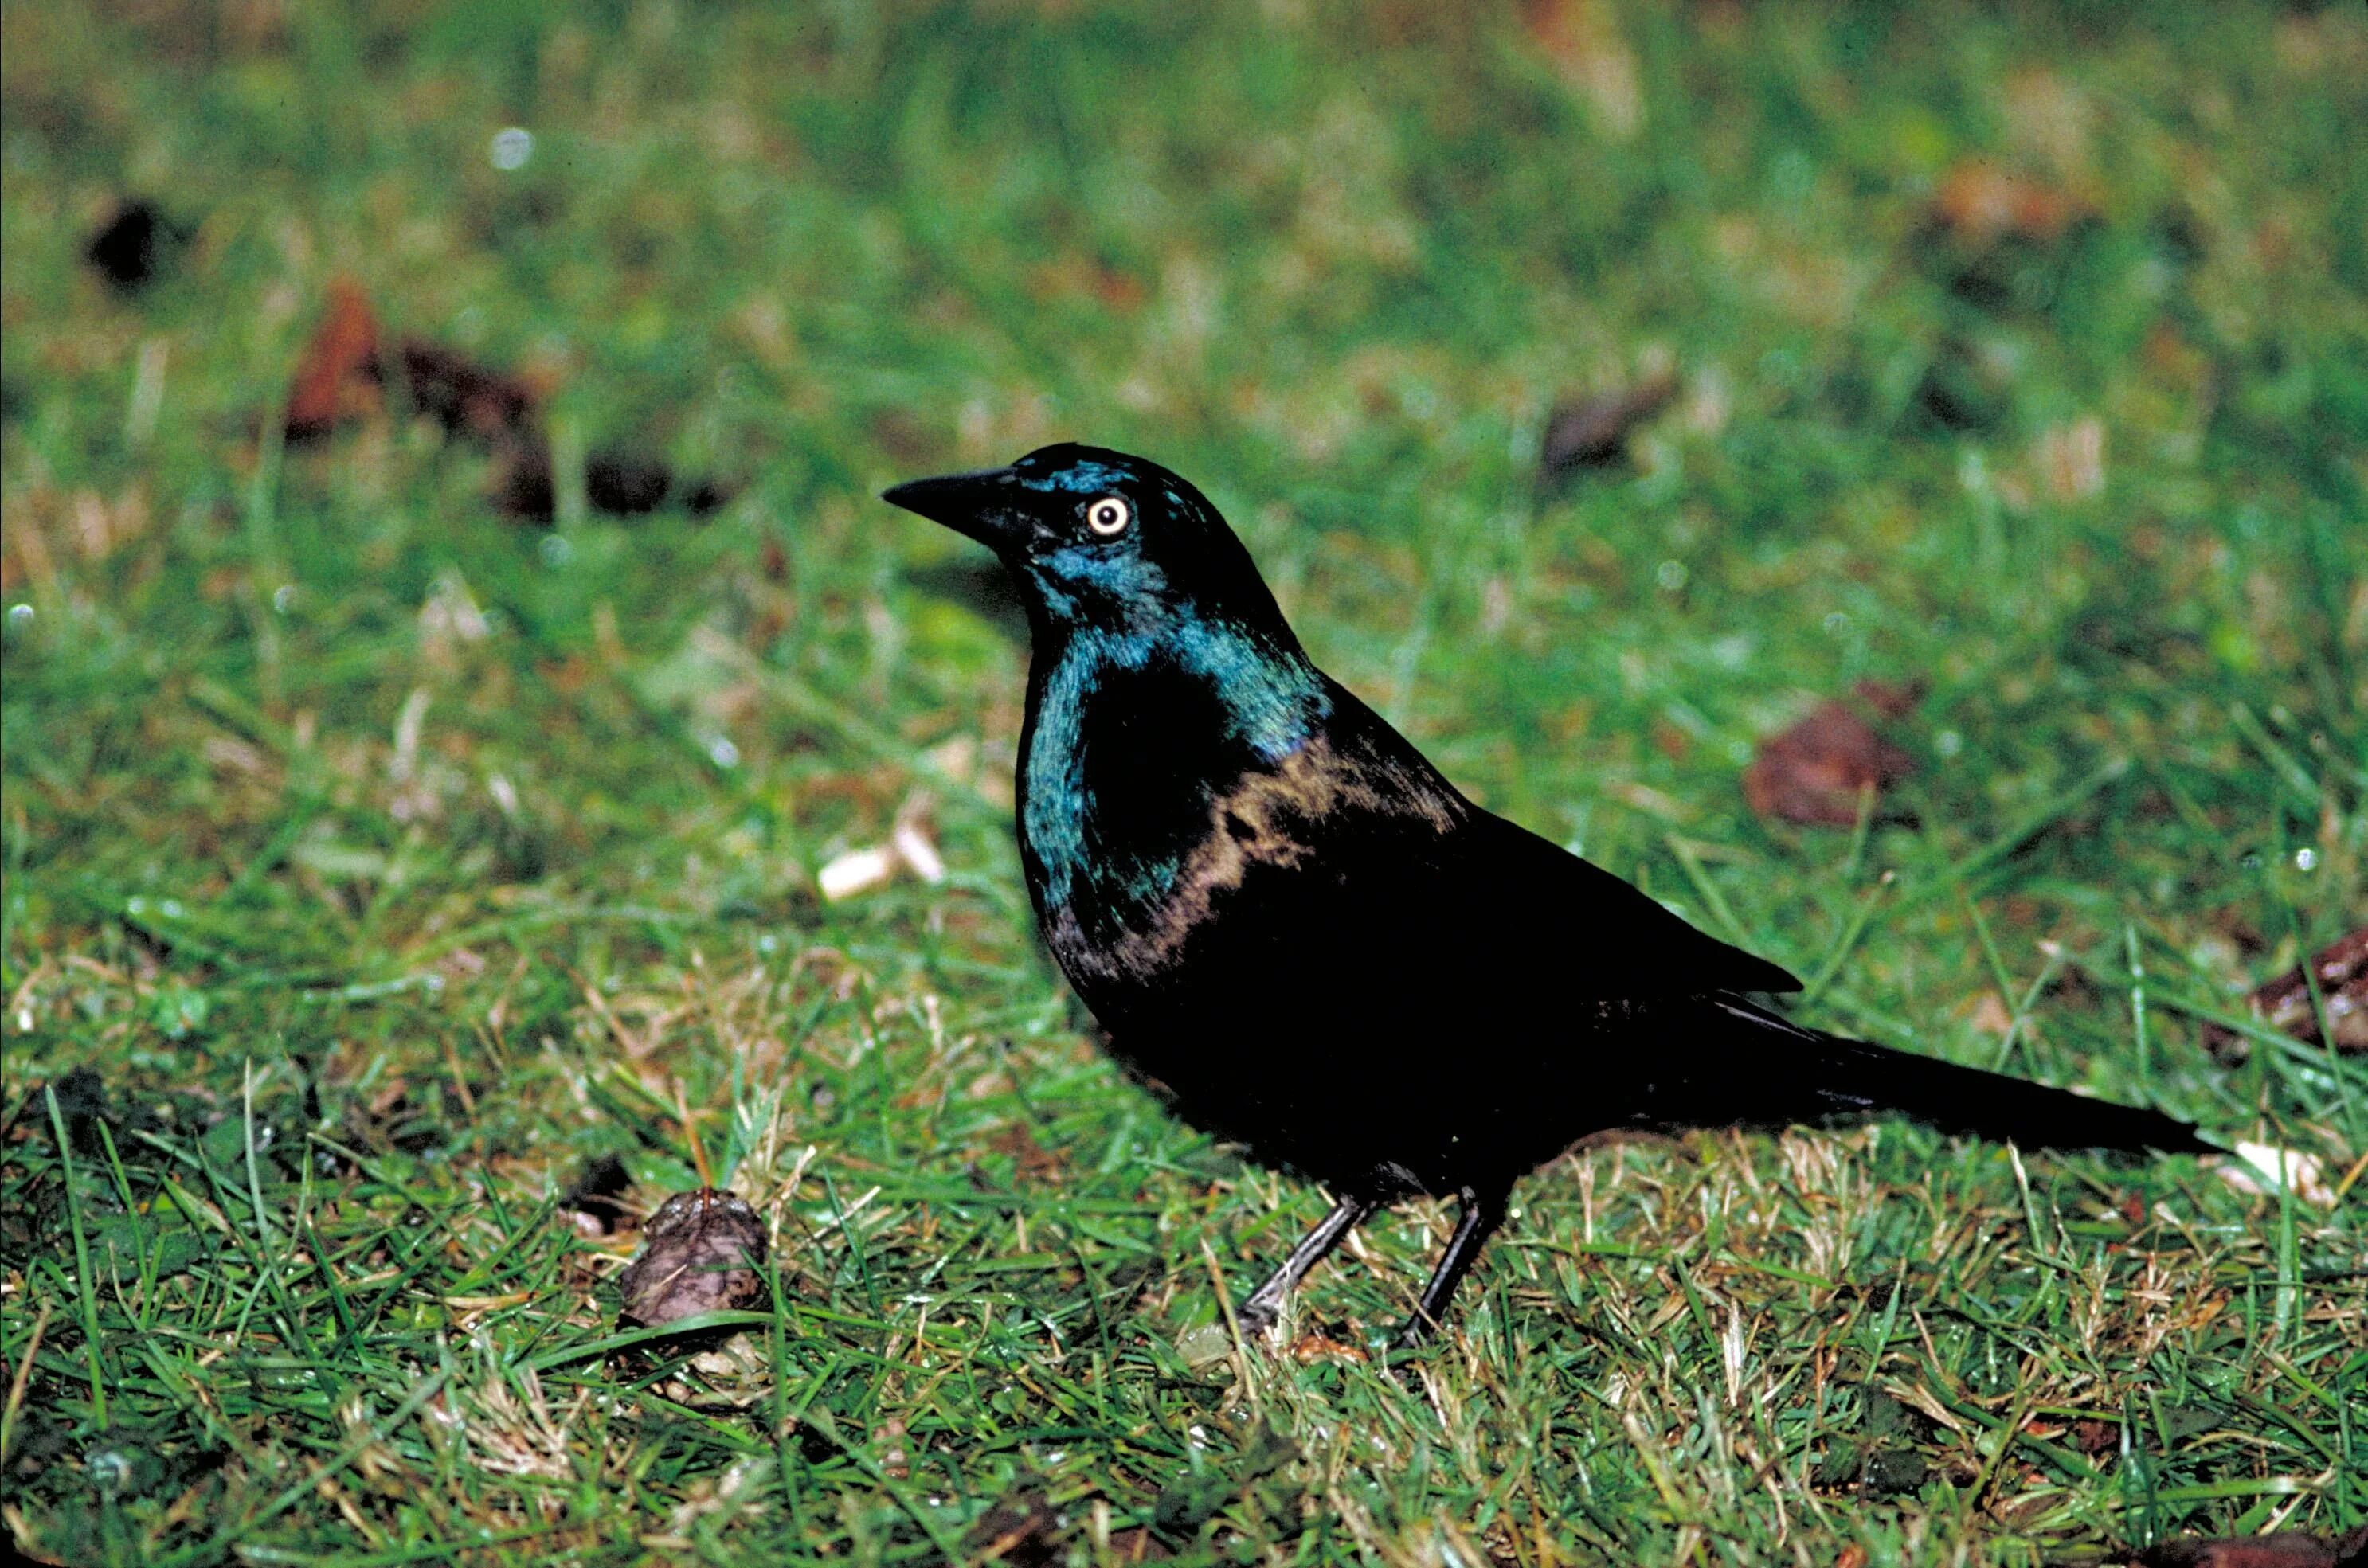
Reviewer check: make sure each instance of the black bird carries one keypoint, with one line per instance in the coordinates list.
(1279, 911)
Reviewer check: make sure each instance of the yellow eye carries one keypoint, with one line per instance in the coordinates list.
(1109, 515)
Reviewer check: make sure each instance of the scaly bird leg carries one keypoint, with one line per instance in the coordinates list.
(1481, 1216)
(1265, 1304)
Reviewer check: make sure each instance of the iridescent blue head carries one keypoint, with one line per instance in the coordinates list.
(1097, 539)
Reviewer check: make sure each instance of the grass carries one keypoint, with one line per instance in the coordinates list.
(388, 863)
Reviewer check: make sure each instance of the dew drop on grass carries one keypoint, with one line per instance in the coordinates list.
(20, 616)
(2305, 859)
(726, 754)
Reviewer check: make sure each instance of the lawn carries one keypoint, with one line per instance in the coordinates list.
(384, 871)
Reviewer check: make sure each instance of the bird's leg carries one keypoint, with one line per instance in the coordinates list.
(1265, 1304)
(1482, 1213)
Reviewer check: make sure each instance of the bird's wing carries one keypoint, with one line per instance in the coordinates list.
(1492, 889)
(1599, 935)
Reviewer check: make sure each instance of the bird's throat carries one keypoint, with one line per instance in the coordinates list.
(1130, 738)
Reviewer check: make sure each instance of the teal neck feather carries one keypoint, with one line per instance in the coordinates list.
(1272, 697)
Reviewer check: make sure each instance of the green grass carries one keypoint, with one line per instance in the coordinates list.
(389, 863)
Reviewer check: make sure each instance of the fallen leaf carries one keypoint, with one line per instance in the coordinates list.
(1031, 1160)
(1310, 1348)
(465, 397)
(2282, 1549)
(702, 1252)
(1979, 202)
(1592, 433)
(339, 378)
(2284, 1004)
(1816, 772)
(134, 246)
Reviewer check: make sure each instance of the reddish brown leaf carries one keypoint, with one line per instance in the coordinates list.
(2284, 1548)
(1980, 203)
(702, 1252)
(2284, 1004)
(1593, 432)
(338, 378)
(1816, 772)
(1310, 1348)
(1031, 1161)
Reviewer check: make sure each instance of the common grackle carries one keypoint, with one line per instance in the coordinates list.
(1284, 915)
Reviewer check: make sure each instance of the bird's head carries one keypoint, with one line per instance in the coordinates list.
(1098, 538)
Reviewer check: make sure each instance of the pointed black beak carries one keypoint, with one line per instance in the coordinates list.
(984, 505)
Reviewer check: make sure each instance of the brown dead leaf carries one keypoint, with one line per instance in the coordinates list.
(702, 1252)
(2282, 1549)
(1816, 772)
(2284, 1004)
(1592, 432)
(1310, 1348)
(340, 379)
(1979, 204)
(1031, 1161)
(343, 373)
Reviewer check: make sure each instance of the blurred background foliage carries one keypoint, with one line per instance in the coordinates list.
(2012, 356)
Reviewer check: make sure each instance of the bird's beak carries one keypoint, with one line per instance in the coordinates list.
(984, 505)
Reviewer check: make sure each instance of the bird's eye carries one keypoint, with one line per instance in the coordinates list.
(1109, 515)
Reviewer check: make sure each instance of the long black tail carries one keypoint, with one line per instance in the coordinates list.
(1827, 1077)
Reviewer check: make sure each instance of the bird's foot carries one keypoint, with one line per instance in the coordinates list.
(1414, 1333)
(1257, 1315)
